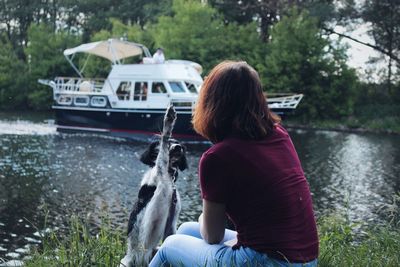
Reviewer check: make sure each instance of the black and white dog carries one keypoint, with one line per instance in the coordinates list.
(155, 213)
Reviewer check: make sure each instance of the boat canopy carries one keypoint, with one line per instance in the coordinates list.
(112, 49)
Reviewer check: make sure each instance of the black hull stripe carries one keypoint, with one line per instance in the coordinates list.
(149, 133)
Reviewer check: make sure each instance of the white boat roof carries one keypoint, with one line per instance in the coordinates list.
(175, 70)
(111, 49)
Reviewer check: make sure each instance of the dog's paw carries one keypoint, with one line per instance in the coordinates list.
(170, 115)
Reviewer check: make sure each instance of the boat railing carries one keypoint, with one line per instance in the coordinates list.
(73, 84)
(284, 101)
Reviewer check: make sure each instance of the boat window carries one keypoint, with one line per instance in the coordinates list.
(140, 92)
(98, 101)
(81, 100)
(177, 87)
(158, 88)
(124, 90)
(192, 88)
(64, 100)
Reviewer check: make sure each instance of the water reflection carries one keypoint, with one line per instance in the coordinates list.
(49, 176)
(352, 173)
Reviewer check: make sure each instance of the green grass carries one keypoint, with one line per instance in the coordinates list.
(342, 243)
(339, 246)
(80, 247)
(347, 244)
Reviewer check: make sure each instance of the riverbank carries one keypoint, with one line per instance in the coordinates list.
(372, 118)
(341, 244)
(343, 126)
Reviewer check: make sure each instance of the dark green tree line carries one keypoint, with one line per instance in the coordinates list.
(286, 41)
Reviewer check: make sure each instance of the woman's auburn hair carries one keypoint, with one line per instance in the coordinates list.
(231, 102)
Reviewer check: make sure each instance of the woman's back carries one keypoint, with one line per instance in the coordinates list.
(265, 192)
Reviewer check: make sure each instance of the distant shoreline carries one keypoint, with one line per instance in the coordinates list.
(338, 128)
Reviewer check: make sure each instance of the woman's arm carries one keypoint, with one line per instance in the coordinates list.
(212, 222)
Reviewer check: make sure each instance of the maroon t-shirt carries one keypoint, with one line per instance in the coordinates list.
(266, 194)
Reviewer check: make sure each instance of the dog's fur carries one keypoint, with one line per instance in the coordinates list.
(156, 210)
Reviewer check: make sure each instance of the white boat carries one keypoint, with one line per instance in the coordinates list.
(132, 100)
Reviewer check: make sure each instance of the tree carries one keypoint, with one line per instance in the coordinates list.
(197, 32)
(17, 15)
(384, 16)
(13, 80)
(137, 12)
(46, 61)
(300, 60)
(268, 12)
(141, 12)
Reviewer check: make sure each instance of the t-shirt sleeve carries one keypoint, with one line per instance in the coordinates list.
(213, 178)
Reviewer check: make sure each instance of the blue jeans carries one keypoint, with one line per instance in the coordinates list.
(187, 248)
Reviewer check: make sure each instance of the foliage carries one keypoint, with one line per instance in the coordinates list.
(45, 60)
(197, 32)
(17, 16)
(184, 35)
(141, 12)
(384, 16)
(266, 13)
(13, 89)
(300, 60)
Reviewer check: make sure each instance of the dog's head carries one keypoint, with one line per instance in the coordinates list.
(177, 154)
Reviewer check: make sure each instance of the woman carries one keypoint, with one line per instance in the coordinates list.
(253, 175)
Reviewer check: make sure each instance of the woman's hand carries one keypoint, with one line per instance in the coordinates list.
(200, 219)
(212, 222)
(231, 243)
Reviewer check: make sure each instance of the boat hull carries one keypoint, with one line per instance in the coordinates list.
(136, 124)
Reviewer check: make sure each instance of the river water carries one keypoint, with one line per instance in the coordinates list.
(45, 177)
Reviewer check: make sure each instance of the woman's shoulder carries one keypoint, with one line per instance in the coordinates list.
(279, 127)
(216, 149)
(233, 143)
(220, 151)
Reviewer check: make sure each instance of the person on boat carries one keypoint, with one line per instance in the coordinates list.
(158, 56)
(143, 91)
(253, 175)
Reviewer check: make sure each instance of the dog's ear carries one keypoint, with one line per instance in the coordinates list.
(150, 154)
(182, 161)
